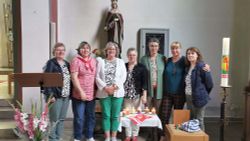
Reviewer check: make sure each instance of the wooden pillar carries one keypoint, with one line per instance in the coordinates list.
(53, 24)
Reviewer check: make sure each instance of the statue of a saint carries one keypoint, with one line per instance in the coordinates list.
(114, 25)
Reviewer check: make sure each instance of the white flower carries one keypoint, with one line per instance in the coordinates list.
(35, 122)
(43, 126)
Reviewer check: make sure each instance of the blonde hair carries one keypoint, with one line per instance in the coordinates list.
(109, 45)
(175, 44)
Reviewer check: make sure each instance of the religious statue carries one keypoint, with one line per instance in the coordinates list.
(114, 25)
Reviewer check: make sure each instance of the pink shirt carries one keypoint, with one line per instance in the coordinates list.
(86, 75)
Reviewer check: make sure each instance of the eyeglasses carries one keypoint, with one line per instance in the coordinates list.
(111, 49)
(60, 50)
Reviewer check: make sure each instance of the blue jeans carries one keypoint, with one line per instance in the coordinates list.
(84, 118)
(57, 115)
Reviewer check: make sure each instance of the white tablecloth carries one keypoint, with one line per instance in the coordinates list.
(154, 121)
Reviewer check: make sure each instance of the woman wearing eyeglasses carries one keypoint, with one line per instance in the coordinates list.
(83, 72)
(59, 96)
(110, 76)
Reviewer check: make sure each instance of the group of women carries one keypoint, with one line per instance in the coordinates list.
(157, 81)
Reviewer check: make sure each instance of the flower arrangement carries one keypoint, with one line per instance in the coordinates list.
(34, 125)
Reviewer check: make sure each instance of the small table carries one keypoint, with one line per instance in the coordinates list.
(173, 134)
(154, 122)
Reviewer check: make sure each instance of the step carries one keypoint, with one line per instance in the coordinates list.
(7, 112)
(6, 129)
(5, 102)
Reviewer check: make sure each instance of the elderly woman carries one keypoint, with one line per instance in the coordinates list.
(198, 85)
(83, 72)
(111, 74)
(154, 63)
(59, 95)
(135, 89)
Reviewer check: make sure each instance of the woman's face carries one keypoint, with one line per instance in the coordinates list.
(132, 56)
(60, 52)
(85, 50)
(175, 51)
(111, 52)
(192, 56)
(153, 47)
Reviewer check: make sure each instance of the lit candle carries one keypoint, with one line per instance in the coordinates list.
(225, 62)
(153, 111)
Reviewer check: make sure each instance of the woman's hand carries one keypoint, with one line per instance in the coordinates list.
(144, 97)
(206, 68)
(52, 100)
(83, 96)
(109, 90)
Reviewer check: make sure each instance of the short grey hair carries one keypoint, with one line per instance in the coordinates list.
(131, 49)
(154, 40)
(56, 46)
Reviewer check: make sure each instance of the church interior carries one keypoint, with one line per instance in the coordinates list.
(30, 28)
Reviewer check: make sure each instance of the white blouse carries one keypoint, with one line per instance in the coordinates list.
(120, 77)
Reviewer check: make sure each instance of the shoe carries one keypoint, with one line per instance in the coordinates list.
(90, 139)
(134, 139)
(127, 139)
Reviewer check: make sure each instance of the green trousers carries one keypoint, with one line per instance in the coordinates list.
(111, 108)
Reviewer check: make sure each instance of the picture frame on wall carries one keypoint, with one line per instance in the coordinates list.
(147, 33)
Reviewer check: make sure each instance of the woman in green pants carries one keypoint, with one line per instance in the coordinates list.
(111, 74)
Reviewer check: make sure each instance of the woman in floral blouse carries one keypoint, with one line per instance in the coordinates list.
(110, 76)
(135, 89)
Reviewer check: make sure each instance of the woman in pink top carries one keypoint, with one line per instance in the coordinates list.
(83, 72)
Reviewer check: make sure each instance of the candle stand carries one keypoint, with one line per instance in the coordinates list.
(223, 111)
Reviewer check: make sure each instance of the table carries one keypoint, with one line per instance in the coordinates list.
(173, 134)
(154, 122)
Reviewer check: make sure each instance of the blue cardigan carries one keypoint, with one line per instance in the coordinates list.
(52, 66)
(202, 85)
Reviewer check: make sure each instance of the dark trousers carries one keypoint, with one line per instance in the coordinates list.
(170, 101)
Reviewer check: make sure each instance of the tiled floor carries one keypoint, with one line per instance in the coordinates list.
(233, 132)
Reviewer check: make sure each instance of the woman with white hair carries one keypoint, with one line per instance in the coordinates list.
(135, 89)
(110, 76)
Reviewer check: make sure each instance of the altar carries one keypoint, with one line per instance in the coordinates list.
(153, 121)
